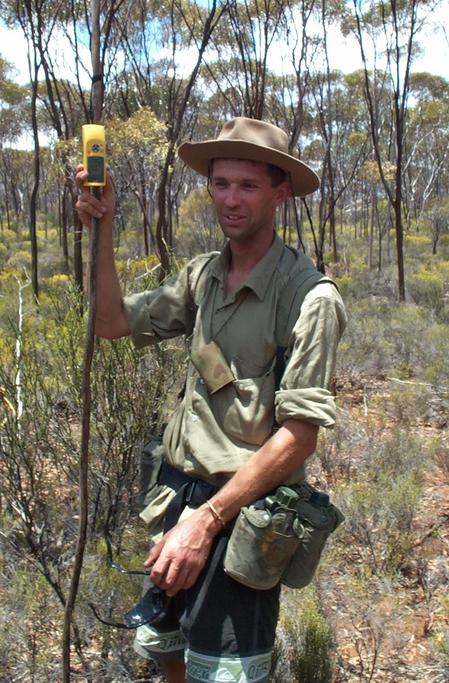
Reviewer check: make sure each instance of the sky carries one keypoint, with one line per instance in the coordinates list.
(344, 52)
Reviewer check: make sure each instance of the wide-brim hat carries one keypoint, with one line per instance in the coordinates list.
(243, 138)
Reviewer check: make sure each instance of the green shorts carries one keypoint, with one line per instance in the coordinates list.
(227, 635)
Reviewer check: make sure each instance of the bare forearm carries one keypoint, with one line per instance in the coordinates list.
(110, 321)
(181, 554)
(270, 466)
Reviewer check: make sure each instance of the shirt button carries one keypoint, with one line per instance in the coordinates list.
(201, 380)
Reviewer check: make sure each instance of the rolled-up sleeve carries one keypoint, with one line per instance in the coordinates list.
(304, 391)
(162, 313)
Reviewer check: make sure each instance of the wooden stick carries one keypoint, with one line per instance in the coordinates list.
(96, 109)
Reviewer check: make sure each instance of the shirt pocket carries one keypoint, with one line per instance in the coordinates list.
(246, 409)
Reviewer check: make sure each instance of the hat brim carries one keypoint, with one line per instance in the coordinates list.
(198, 155)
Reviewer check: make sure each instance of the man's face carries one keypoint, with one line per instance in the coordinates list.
(244, 198)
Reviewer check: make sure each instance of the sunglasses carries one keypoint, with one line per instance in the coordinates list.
(150, 609)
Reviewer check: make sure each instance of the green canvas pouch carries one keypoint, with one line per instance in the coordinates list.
(313, 524)
(260, 547)
(281, 538)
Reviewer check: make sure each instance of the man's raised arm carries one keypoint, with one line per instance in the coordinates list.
(110, 321)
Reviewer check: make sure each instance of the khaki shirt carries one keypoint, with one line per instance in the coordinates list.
(210, 435)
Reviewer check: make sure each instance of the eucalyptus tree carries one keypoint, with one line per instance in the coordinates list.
(260, 71)
(316, 105)
(137, 148)
(58, 104)
(245, 43)
(426, 171)
(31, 17)
(387, 33)
(13, 109)
(157, 39)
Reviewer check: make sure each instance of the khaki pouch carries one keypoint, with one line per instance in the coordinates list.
(313, 525)
(285, 546)
(260, 547)
(212, 366)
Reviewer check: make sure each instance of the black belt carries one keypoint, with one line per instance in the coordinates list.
(189, 491)
(153, 606)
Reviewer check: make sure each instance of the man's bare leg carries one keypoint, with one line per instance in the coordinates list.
(175, 671)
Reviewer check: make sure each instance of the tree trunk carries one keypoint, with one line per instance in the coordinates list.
(78, 253)
(34, 192)
(63, 223)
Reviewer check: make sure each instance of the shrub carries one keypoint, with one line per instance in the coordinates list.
(20, 259)
(46, 236)
(440, 454)
(60, 280)
(416, 244)
(344, 283)
(364, 348)
(441, 637)
(39, 472)
(433, 348)
(381, 503)
(305, 644)
(426, 288)
(8, 236)
(26, 651)
(3, 253)
(382, 338)
(405, 403)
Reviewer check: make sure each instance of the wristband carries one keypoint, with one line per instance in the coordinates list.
(216, 515)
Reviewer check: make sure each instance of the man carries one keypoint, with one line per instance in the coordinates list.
(222, 432)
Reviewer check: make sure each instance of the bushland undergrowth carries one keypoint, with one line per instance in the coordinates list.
(385, 465)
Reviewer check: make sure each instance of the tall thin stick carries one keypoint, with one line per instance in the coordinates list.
(96, 108)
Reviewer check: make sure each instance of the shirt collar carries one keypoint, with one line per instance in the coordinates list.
(262, 274)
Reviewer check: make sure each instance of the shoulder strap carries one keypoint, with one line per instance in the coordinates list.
(297, 284)
(301, 279)
(199, 276)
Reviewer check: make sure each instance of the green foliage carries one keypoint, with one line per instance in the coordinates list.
(199, 229)
(420, 242)
(40, 438)
(20, 259)
(3, 253)
(441, 637)
(440, 455)
(47, 236)
(407, 404)
(344, 283)
(305, 645)
(427, 288)
(24, 643)
(139, 143)
(384, 339)
(381, 501)
(8, 236)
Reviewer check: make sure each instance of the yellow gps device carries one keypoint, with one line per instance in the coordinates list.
(94, 154)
